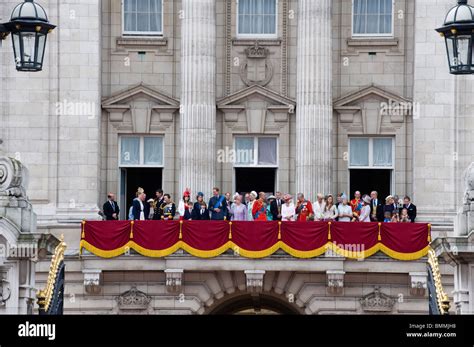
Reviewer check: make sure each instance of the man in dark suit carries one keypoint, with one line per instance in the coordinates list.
(376, 208)
(275, 206)
(141, 209)
(111, 208)
(159, 200)
(411, 208)
(217, 206)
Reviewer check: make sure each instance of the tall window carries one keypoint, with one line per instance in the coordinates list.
(256, 151)
(257, 18)
(371, 152)
(372, 18)
(141, 151)
(142, 17)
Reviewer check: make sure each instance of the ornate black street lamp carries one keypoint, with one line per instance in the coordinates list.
(458, 31)
(29, 26)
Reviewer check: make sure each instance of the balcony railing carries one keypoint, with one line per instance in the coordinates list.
(207, 239)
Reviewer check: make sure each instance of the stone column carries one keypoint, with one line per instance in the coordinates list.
(198, 96)
(314, 98)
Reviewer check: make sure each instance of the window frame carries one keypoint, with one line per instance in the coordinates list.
(371, 165)
(255, 148)
(256, 36)
(142, 33)
(386, 35)
(141, 159)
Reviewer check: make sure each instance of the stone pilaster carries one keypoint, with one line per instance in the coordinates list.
(314, 98)
(198, 96)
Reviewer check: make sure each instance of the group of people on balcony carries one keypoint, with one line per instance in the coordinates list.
(260, 207)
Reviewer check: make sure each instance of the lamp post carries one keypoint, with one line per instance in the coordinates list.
(29, 26)
(458, 31)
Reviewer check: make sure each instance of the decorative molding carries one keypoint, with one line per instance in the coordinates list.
(256, 51)
(254, 280)
(284, 50)
(356, 46)
(174, 279)
(419, 281)
(228, 46)
(335, 281)
(245, 93)
(377, 302)
(122, 96)
(354, 97)
(250, 42)
(133, 300)
(92, 283)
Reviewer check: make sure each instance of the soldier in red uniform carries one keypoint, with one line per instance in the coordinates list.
(304, 209)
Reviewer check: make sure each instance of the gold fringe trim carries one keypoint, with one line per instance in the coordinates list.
(329, 231)
(230, 231)
(105, 254)
(279, 230)
(206, 254)
(353, 254)
(255, 254)
(181, 229)
(380, 235)
(156, 253)
(404, 256)
(303, 254)
(429, 233)
(131, 229)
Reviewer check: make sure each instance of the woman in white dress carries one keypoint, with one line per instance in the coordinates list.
(253, 197)
(330, 211)
(288, 213)
(365, 211)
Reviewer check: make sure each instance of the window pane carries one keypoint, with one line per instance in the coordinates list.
(267, 151)
(130, 151)
(372, 17)
(359, 152)
(244, 151)
(143, 16)
(383, 152)
(153, 150)
(257, 17)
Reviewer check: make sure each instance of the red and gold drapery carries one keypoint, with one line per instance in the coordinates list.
(207, 239)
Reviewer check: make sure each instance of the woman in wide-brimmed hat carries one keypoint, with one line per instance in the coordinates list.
(365, 211)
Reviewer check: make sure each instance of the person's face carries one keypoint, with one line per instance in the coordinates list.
(339, 199)
(247, 197)
(387, 215)
(238, 200)
(159, 195)
(215, 192)
(373, 195)
(301, 198)
(344, 201)
(406, 201)
(227, 196)
(278, 195)
(186, 198)
(261, 196)
(252, 198)
(200, 198)
(112, 197)
(330, 200)
(357, 195)
(320, 199)
(142, 196)
(166, 199)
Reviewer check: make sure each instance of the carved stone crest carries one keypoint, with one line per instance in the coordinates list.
(13, 177)
(133, 300)
(377, 302)
(257, 70)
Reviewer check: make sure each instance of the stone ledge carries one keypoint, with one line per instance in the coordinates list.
(372, 42)
(143, 41)
(251, 41)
